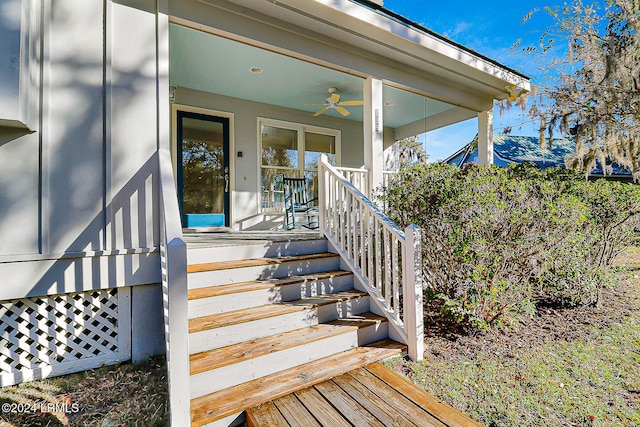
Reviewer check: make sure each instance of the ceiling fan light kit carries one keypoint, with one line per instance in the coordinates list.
(333, 102)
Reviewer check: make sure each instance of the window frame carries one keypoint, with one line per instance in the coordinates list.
(22, 112)
(301, 130)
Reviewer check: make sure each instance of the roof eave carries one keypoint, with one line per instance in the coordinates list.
(413, 37)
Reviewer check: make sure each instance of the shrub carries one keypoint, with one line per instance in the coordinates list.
(499, 241)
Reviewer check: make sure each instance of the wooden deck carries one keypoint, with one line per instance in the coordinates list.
(221, 237)
(369, 396)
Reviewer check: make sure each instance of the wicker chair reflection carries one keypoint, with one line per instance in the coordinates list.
(297, 205)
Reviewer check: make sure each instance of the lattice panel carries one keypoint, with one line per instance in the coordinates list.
(42, 332)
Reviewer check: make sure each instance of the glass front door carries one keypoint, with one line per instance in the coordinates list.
(203, 170)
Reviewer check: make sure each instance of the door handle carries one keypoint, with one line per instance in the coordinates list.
(226, 180)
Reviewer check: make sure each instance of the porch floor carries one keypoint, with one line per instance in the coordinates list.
(217, 237)
(371, 396)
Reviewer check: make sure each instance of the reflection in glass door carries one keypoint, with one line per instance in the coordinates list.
(203, 170)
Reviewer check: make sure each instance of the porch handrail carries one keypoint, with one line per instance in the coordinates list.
(357, 176)
(173, 256)
(384, 259)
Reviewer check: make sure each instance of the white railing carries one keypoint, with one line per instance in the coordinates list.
(386, 261)
(173, 256)
(386, 176)
(358, 177)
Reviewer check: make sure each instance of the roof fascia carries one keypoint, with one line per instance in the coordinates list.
(409, 23)
(416, 39)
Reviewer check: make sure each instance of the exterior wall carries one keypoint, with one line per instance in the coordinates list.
(147, 323)
(78, 195)
(10, 29)
(245, 203)
(19, 192)
(78, 186)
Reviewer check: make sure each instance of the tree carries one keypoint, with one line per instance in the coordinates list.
(406, 152)
(591, 61)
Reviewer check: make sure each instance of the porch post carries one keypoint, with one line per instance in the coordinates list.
(373, 132)
(485, 137)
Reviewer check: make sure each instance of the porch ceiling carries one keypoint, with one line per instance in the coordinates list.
(214, 64)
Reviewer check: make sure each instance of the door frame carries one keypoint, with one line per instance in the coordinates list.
(175, 108)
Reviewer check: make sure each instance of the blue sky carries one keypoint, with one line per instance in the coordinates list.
(490, 28)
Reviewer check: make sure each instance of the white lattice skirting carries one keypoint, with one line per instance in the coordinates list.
(59, 334)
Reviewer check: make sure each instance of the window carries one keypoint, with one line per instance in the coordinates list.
(292, 150)
(19, 22)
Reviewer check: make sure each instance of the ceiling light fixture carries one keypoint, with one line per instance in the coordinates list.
(255, 70)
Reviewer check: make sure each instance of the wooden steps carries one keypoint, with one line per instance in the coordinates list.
(219, 357)
(256, 262)
(271, 310)
(220, 404)
(262, 328)
(237, 271)
(372, 396)
(253, 285)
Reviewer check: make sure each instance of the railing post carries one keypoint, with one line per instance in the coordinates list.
(322, 194)
(173, 258)
(176, 330)
(412, 291)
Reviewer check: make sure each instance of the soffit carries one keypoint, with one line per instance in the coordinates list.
(213, 64)
(353, 24)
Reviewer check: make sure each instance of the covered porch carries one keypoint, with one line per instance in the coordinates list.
(255, 99)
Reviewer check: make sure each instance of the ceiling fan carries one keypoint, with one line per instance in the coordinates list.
(333, 102)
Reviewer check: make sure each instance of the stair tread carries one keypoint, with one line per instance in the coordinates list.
(255, 262)
(217, 405)
(270, 310)
(219, 357)
(217, 290)
(360, 320)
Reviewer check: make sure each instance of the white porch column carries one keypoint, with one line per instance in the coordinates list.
(485, 137)
(373, 131)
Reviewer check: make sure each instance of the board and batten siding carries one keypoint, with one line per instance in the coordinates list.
(78, 191)
(79, 224)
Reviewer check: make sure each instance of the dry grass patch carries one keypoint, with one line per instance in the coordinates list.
(121, 395)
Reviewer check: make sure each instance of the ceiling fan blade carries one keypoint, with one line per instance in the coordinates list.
(352, 103)
(342, 111)
(317, 104)
(320, 112)
(335, 97)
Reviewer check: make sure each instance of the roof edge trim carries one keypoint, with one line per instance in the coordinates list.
(419, 27)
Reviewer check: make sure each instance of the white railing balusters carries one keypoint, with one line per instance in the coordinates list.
(363, 252)
(386, 261)
(358, 177)
(370, 219)
(396, 280)
(387, 269)
(378, 255)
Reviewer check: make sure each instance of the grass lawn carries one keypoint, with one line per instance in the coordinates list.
(121, 395)
(565, 367)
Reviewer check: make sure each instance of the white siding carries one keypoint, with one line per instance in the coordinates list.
(78, 197)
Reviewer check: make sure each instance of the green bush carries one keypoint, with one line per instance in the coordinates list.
(499, 241)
